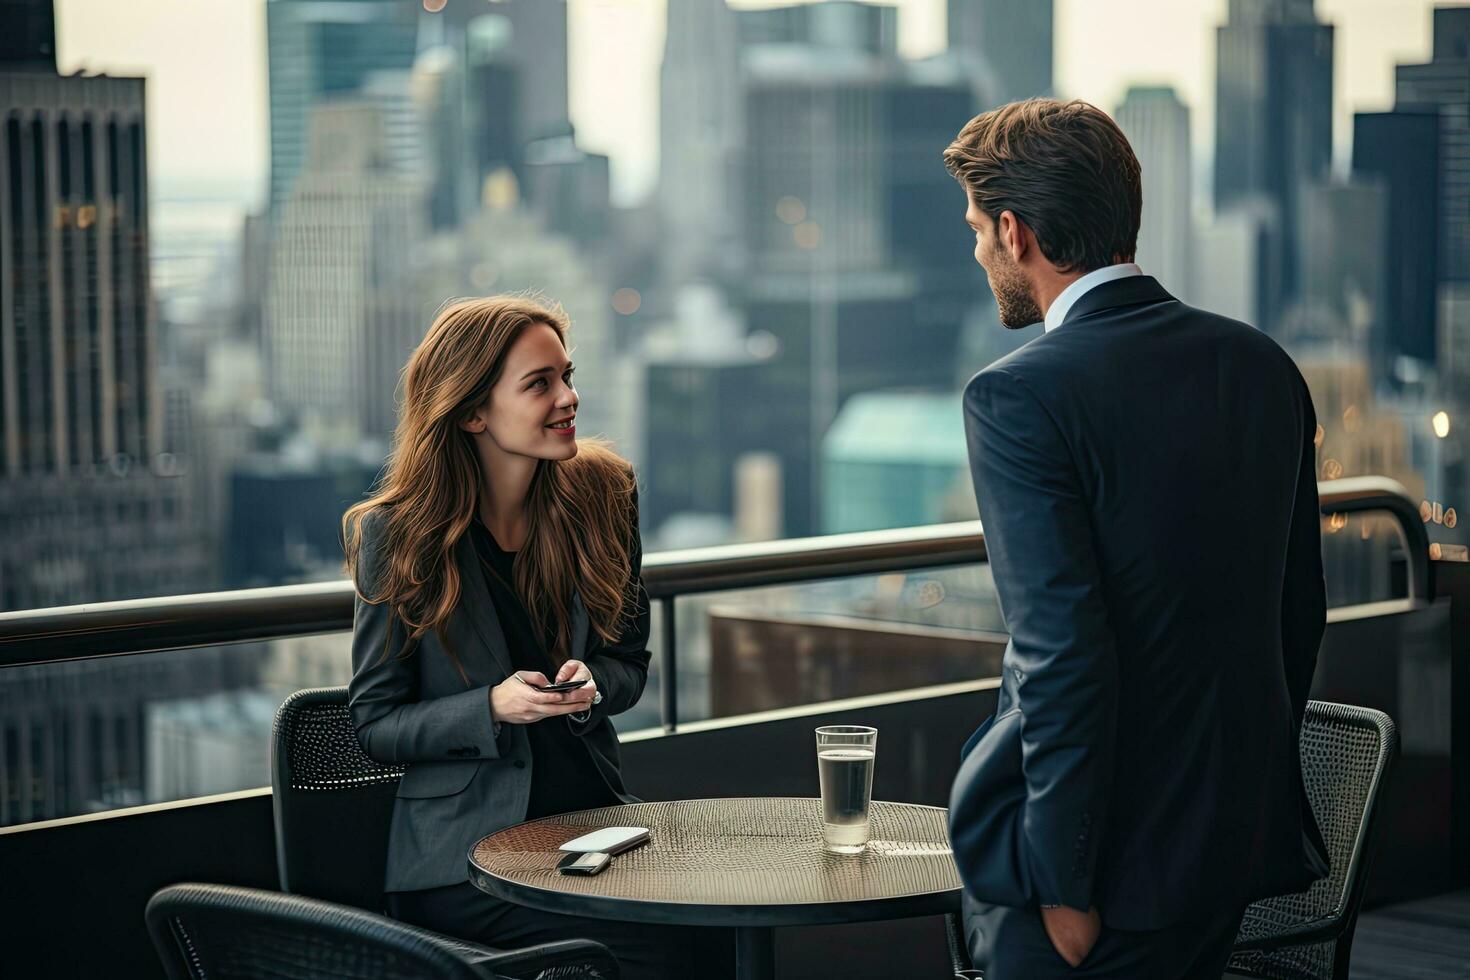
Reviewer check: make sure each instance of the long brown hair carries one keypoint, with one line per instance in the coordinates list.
(580, 511)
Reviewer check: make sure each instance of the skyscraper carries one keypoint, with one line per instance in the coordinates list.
(1401, 149)
(835, 26)
(324, 49)
(1453, 348)
(1009, 41)
(698, 378)
(540, 58)
(1157, 125)
(851, 265)
(570, 188)
(1237, 262)
(91, 501)
(27, 35)
(1443, 86)
(1273, 114)
(699, 130)
(839, 145)
(465, 86)
(491, 80)
(1343, 240)
(339, 325)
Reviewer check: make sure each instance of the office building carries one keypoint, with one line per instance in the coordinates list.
(1157, 125)
(1273, 117)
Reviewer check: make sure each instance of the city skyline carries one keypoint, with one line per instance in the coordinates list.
(777, 348)
(615, 47)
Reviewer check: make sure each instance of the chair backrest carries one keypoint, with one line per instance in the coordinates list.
(1346, 756)
(219, 931)
(332, 803)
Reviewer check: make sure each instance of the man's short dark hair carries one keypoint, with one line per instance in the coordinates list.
(1065, 169)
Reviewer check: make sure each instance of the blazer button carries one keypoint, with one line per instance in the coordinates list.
(520, 763)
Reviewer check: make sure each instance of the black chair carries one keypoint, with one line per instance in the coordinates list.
(332, 809)
(332, 803)
(219, 931)
(1347, 753)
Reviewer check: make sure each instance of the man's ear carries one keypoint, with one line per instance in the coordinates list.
(1014, 235)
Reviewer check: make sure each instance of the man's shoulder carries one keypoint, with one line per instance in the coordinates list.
(1236, 330)
(1249, 346)
(1026, 366)
(1077, 359)
(1003, 389)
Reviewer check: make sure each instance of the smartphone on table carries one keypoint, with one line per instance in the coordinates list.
(608, 840)
(590, 863)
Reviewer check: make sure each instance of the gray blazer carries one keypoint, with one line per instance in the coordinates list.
(463, 781)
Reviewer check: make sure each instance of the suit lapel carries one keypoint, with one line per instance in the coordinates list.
(474, 600)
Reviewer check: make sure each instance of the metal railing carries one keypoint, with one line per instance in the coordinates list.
(178, 622)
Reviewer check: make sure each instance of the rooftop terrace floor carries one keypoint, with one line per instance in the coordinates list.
(1428, 939)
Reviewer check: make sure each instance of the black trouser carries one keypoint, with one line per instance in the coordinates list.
(644, 952)
(1011, 944)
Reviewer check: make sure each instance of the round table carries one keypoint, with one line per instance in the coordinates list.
(753, 864)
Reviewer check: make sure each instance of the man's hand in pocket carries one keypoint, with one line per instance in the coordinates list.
(1072, 933)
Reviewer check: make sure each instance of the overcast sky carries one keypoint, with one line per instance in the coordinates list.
(205, 60)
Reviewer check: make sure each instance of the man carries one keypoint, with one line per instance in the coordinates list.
(1146, 477)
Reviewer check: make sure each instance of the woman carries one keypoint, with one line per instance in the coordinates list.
(496, 556)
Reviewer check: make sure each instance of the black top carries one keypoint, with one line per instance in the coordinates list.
(563, 776)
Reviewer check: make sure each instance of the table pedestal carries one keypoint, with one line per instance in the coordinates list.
(755, 953)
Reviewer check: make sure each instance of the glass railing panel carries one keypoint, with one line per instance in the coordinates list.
(1363, 558)
(782, 646)
(86, 736)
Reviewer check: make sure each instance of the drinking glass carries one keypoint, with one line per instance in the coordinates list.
(845, 755)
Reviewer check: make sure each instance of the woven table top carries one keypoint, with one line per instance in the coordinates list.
(757, 861)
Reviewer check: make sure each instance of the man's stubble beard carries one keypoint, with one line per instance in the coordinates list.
(1012, 292)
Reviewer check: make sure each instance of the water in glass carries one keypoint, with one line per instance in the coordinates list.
(845, 759)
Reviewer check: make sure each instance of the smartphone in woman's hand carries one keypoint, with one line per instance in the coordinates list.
(559, 688)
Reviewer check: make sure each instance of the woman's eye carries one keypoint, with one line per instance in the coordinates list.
(541, 382)
(568, 377)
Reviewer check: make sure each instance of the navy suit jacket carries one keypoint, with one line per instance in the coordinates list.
(1146, 476)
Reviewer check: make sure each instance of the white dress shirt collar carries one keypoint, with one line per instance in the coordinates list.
(1060, 306)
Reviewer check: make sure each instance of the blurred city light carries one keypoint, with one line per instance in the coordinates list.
(626, 301)
(790, 210)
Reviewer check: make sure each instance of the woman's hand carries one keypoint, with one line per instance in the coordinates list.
(575, 670)
(515, 701)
